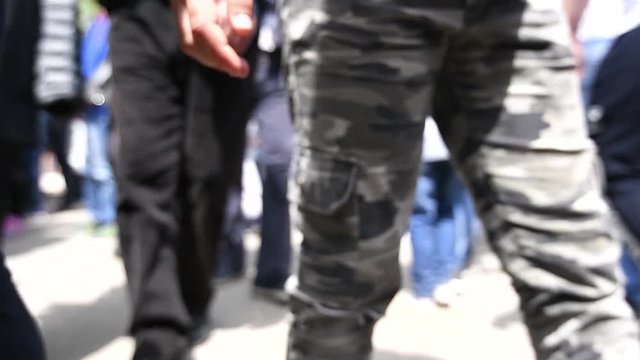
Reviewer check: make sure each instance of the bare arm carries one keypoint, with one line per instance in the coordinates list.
(574, 10)
(216, 32)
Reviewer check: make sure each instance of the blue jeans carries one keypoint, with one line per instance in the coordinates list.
(593, 52)
(631, 272)
(441, 227)
(99, 185)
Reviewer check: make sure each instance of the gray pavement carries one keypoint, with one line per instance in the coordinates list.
(75, 286)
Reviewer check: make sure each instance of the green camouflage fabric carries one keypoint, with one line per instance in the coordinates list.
(499, 78)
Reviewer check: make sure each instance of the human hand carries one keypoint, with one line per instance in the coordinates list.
(216, 32)
(576, 50)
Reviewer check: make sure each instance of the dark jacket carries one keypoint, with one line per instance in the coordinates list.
(19, 32)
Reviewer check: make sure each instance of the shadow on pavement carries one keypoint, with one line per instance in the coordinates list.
(235, 305)
(507, 319)
(44, 231)
(74, 331)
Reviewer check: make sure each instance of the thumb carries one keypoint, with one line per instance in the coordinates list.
(240, 14)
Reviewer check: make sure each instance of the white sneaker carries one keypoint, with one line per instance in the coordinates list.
(446, 294)
(291, 285)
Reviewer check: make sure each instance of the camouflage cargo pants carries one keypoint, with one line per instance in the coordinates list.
(499, 78)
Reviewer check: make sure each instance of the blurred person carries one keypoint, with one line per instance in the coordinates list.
(272, 155)
(181, 129)
(275, 133)
(20, 338)
(609, 35)
(99, 184)
(441, 224)
(59, 86)
(500, 79)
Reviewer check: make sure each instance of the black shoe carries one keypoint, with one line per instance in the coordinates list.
(200, 330)
(161, 345)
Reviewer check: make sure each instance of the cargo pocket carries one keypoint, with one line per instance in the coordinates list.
(322, 182)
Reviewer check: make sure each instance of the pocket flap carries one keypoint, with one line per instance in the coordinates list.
(322, 182)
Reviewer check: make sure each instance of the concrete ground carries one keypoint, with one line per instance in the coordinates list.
(75, 286)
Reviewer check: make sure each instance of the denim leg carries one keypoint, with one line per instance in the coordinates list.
(89, 188)
(632, 274)
(432, 229)
(275, 252)
(99, 183)
(464, 220)
(593, 52)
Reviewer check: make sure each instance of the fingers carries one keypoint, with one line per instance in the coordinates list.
(205, 32)
(201, 12)
(218, 53)
(184, 23)
(240, 14)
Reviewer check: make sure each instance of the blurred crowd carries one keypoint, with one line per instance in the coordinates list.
(353, 121)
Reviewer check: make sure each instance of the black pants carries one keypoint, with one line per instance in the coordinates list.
(58, 142)
(181, 132)
(14, 179)
(19, 335)
(617, 93)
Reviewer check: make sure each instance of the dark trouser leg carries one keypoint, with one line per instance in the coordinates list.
(181, 133)
(217, 111)
(58, 136)
(276, 139)
(275, 251)
(19, 336)
(616, 132)
(618, 138)
(148, 82)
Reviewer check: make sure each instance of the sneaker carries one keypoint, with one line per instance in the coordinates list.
(105, 231)
(446, 294)
(291, 284)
